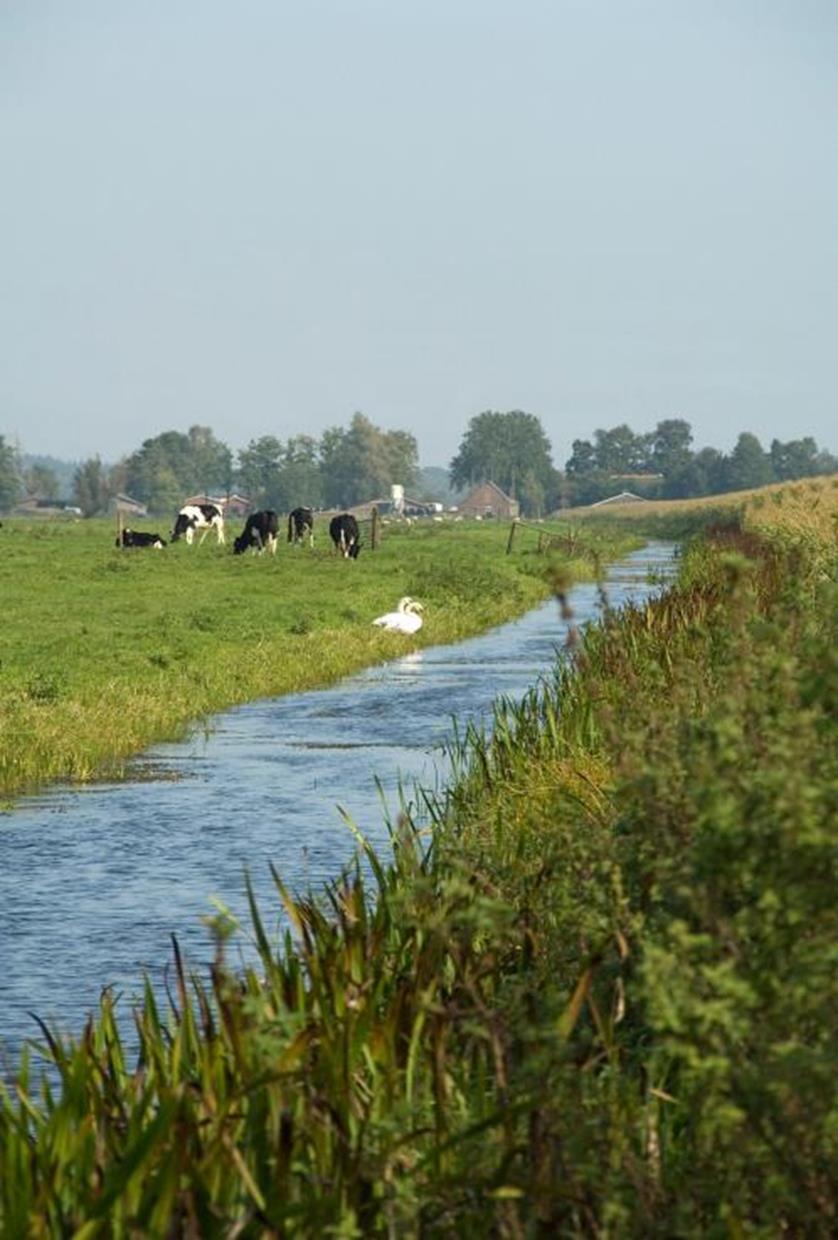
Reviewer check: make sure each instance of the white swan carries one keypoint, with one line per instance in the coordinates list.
(405, 619)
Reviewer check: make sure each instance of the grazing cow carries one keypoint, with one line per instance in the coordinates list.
(344, 533)
(135, 538)
(260, 531)
(301, 520)
(194, 517)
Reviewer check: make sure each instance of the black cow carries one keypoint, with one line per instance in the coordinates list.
(135, 538)
(194, 517)
(344, 533)
(301, 520)
(260, 531)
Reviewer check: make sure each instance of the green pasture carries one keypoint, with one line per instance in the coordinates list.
(104, 651)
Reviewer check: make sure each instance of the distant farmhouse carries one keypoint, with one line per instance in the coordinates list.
(405, 507)
(127, 506)
(35, 506)
(624, 497)
(232, 505)
(488, 500)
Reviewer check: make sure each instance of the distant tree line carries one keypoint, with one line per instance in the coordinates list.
(35, 475)
(347, 465)
(663, 465)
(512, 450)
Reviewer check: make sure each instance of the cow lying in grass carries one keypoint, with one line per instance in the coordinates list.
(136, 538)
(260, 531)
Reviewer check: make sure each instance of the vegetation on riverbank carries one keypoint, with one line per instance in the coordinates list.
(804, 511)
(104, 652)
(599, 1001)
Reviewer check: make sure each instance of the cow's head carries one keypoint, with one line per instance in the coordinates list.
(184, 525)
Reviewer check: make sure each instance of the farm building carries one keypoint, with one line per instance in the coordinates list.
(232, 505)
(128, 506)
(35, 506)
(386, 507)
(488, 500)
(624, 497)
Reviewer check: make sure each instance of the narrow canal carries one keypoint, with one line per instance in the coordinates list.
(93, 881)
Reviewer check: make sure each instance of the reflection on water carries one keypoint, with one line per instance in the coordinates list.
(93, 881)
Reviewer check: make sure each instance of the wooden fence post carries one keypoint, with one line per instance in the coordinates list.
(119, 526)
(375, 535)
(512, 529)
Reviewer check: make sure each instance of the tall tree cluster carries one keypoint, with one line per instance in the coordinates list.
(663, 464)
(11, 483)
(512, 450)
(166, 469)
(345, 466)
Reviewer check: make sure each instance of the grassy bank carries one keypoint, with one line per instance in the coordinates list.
(103, 652)
(600, 1003)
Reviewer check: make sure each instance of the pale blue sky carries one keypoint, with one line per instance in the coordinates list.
(263, 216)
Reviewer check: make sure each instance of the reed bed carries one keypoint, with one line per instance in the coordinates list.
(596, 999)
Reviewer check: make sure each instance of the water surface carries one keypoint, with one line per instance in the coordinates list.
(94, 880)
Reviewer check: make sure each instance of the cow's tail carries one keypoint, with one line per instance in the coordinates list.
(290, 527)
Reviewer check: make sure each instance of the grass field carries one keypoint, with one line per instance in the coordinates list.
(104, 651)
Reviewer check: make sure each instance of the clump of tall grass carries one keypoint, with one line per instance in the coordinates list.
(596, 1000)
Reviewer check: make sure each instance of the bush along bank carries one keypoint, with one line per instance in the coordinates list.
(598, 1002)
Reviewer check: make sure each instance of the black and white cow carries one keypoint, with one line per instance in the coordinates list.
(194, 517)
(300, 521)
(344, 533)
(136, 538)
(260, 531)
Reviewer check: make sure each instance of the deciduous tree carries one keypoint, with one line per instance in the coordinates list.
(91, 489)
(301, 475)
(506, 448)
(798, 458)
(620, 451)
(363, 462)
(171, 466)
(669, 447)
(748, 466)
(40, 480)
(582, 460)
(10, 480)
(259, 469)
